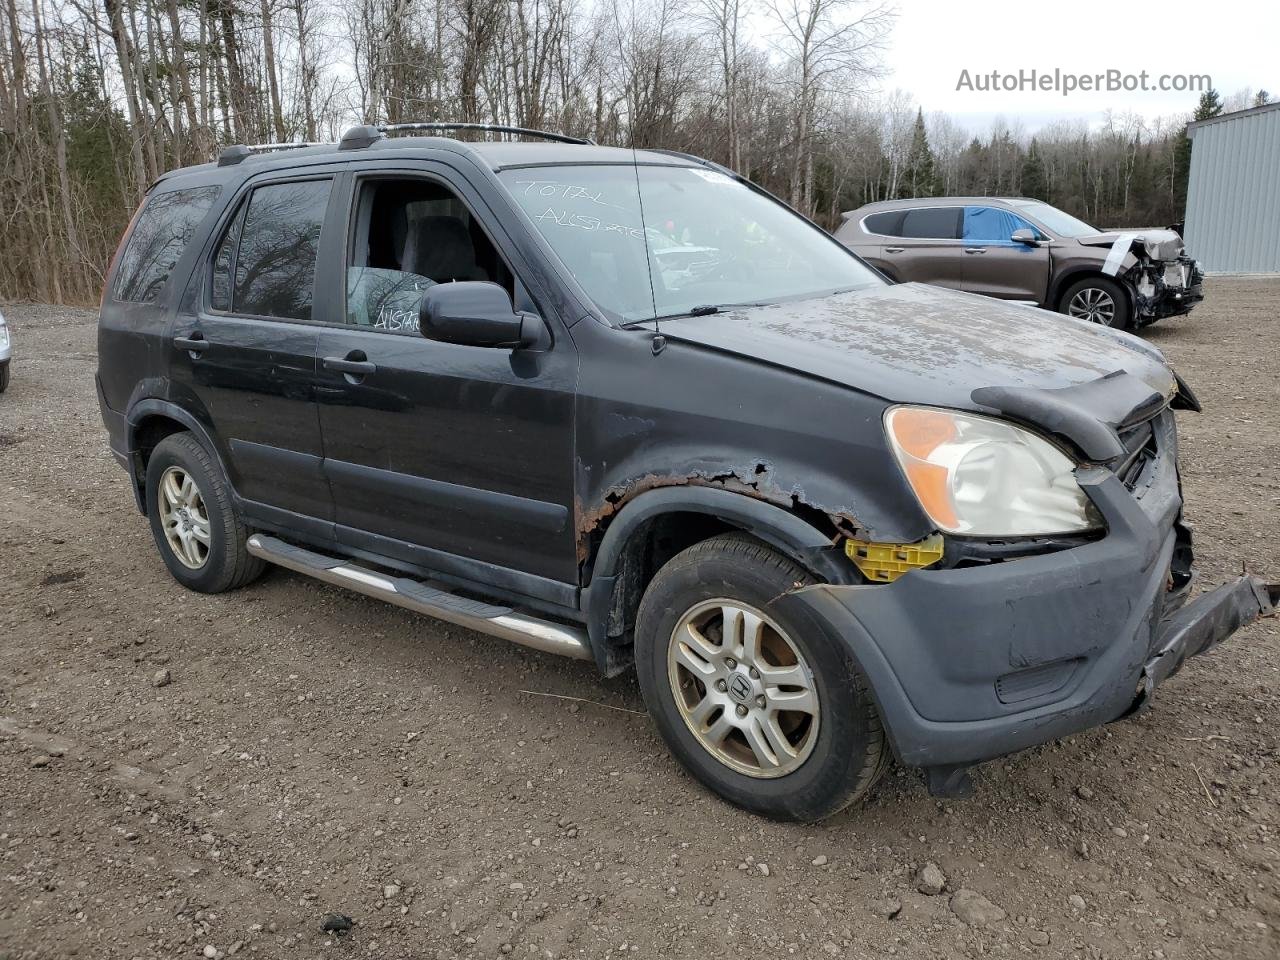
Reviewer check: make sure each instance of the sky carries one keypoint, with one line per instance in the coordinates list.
(1233, 41)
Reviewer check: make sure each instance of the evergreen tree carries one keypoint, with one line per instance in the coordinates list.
(1034, 182)
(1210, 105)
(1261, 98)
(920, 178)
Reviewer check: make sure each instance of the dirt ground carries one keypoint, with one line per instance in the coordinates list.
(316, 751)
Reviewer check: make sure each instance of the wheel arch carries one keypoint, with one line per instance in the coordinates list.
(657, 524)
(1064, 282)
(151, 420)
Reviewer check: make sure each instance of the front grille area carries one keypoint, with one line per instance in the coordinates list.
(1141, 447)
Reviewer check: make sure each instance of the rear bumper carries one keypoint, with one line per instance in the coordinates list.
(972, 663)
(117, 427)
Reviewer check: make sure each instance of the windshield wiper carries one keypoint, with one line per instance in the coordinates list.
(706, 309)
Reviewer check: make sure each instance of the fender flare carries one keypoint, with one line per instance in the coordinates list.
(153, 406)
(786, 532)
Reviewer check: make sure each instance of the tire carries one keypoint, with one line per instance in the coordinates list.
(218, 560)
(1099, 300)
(4, 377)
(837, 753)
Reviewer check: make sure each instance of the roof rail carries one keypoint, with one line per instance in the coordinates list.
(238, 151)
(701, 161)
(359, 137)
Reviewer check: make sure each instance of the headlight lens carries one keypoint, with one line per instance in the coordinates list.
(982, 477)
(4, 334)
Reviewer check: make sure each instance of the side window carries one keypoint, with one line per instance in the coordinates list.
(932, 223)
(992, 225)
(161, 235)
(407, 236)
(888, 224)
(265, 264)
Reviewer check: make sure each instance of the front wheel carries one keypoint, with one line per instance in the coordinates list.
(1097, 300)
(760, 705)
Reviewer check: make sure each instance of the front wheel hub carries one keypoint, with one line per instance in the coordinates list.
(743, 688)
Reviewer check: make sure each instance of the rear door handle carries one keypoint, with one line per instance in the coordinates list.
(196, 343)
(894, 249)
(975, 249)
(348, 365)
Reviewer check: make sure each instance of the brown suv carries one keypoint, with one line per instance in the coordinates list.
(1015, 248)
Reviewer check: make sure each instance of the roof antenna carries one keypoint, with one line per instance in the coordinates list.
(658, 340)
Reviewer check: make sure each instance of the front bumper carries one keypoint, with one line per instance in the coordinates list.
(971, 663)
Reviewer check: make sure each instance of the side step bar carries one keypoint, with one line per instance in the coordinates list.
(505, 622)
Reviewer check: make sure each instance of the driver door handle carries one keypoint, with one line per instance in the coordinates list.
(894, 249)
(194, 344)
(350, 364)
(975, 249)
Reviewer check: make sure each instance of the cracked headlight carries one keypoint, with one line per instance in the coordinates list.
(982, 477)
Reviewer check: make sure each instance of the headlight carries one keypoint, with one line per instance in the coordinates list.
(982, 477)
(4, 334)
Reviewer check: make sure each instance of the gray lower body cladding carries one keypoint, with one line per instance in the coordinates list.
(975, 662)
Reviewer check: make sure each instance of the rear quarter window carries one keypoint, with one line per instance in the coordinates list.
(164, 229)
(885, 224)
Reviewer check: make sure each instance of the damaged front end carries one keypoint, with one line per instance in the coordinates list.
(1165, 282)
(980, 650)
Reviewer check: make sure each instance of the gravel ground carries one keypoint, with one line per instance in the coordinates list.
(200, 776)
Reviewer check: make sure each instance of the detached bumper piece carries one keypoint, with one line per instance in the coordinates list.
(1204, 623)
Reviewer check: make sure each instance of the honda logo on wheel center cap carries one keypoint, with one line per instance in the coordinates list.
(740, 688)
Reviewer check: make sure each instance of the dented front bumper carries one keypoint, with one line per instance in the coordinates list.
(974, 662)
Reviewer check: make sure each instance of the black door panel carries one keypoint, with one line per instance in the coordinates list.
(248, 357)
(462, 455)
(255, 379)
(464, 450)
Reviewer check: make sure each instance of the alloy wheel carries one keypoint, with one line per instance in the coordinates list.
(183, 517)
(1094, 305)
(743, 688)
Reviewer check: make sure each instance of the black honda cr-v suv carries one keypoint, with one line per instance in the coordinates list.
(625, 406)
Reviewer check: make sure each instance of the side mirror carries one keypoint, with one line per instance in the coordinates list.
(475, 313)
(1025, 236)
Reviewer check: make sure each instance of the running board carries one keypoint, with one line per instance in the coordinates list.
(505, 622)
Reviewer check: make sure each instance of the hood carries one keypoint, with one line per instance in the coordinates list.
(1159, 243)
(912, 343)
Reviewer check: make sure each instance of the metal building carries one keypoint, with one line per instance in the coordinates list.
(1233, 194)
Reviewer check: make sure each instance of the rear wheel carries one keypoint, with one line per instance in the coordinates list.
(759, 704)
(1097, 300)
(193, 520)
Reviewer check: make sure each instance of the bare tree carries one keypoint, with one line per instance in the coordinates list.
(827, 43)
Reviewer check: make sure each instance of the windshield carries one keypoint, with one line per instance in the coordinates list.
(662, 241)
(1055, 221)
